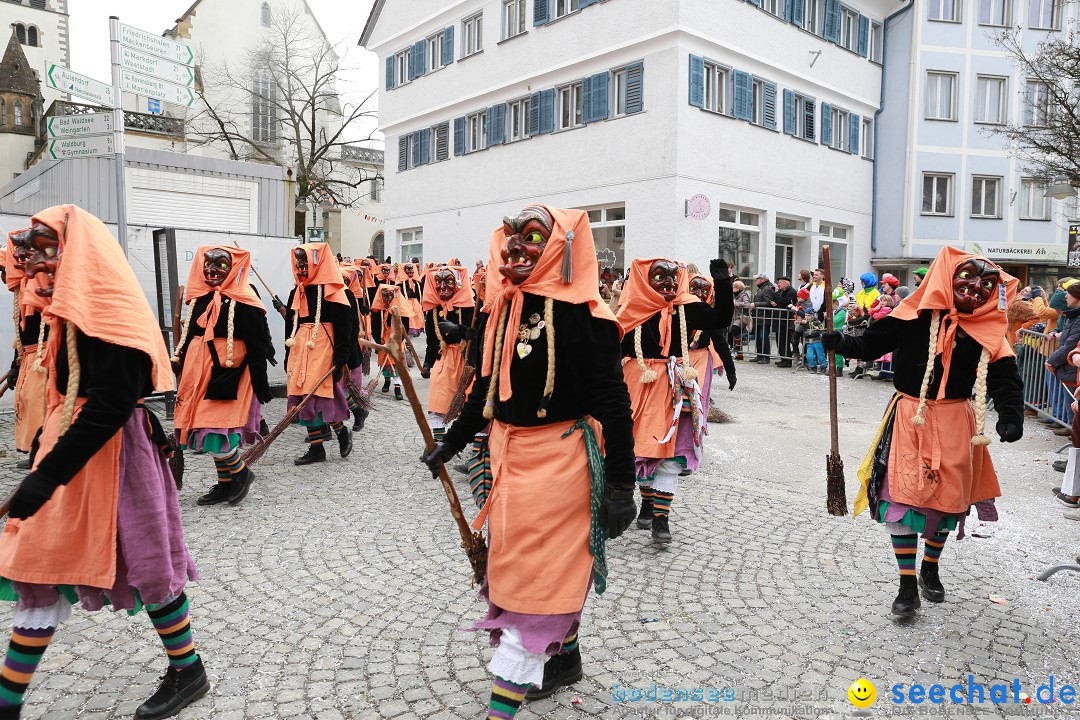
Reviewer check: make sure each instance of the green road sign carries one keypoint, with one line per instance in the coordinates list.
(95, 146)
(151, 87)
(156, 45)
(60, 78)
(144, 64)
(62, 126)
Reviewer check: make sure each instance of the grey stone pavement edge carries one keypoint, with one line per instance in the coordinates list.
(340, 590)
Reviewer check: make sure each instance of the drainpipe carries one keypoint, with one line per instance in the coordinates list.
(877, 114)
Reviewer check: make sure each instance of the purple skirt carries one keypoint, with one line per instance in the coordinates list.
(540, 634)
(320, 410)
(249, 433)
(152, 561)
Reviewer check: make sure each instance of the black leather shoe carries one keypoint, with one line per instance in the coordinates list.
(907, 601)
(1059, 465)
(784, 364)
(660, 531)
(644, 518)
(344, 439)
(24, 464)
(930, 583)
(315, 453)
(386, 385)
(241, 483)
(360, 417)
(218, 494)
(177, 691)
(397, 393)
(559, 671)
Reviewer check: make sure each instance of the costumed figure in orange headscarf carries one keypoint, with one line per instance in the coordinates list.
(389, 298)
(412, 288)
(97, 520)
(448, 314)
(221, 366)
(701, 287)
(929, 463)
(30, 367)
(321, 336)
(549, 377)
(353, 275)
(668, 369)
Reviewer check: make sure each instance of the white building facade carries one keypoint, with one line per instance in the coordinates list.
(679, 125)
(42, 29)
(944, 176)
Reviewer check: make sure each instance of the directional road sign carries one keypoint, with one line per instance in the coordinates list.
(150, 87)
(156, 45)
(64, 148)
(60, 78)
(140, 62)
(80, 125)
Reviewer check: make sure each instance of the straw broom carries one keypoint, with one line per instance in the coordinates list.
(256, 452)
(836, 498)
(468, 372)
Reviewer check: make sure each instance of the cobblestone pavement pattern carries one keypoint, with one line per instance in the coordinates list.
(339, 591)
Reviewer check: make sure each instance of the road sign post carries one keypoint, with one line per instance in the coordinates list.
(155, 88)
(81, 147)
(118, 134)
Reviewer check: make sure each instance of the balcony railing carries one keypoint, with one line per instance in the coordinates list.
(354, 153)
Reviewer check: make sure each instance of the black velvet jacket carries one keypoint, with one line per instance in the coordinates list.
(712, 320)
(28, 336)
(341, 317)
(461, 316)
(249, 325)
(588, 381)
(908, 341)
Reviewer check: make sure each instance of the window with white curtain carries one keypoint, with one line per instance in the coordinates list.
(940, 96)
(1034, 204)
(985, 197)
(990, 99)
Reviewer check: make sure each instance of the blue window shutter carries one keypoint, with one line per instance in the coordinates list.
(421, 57)
(402, 152)
(547, 110)
(697, 81)
(768, 112)
(489, 133)
(796, 12)
(808, 119)
(415, 149)
(540, 11)
(501, 135)
(459, 136)
(756, 2)
(854, 123)
(635, 88)
(826, 124)
(586, 3)
(600, 96)
(789, 112)
(534, 114)
(448, 45)
(832, 20)
(787, 9)
(864, 35)
(390, 73)
(744, 95)
(586, 100)
(425, 146)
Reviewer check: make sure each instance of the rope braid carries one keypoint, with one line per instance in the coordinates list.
(920, 414)
(496, 362)
(229, 337)
(648, 375)
(16, 315)
(318, 317)
(438, 332)
(39, 353)
(689, 373)
(549, 382)
(980, 399)
(295, 326)
(183, 336)
(74, 370)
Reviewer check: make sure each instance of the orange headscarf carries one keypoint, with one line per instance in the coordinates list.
(352, 274)
(712, 290)
(462, 298)
(987, 325)
(399, 302)
(237, 285)
(571, 231)
(480, 284)
(367, 267)
(639, 301)
(95, 288)
(14, 275)
(322, 270)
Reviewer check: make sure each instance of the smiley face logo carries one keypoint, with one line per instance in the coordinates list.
(862, 693)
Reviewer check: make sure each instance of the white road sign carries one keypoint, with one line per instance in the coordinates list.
(150, 87)
(156, 45)
(156, 67)
(80, 125)
(60, 78)
(64, 148)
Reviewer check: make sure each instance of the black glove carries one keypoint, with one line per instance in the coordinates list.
(34, 492)
(718, 268)
(452, 332)
(278, 305)
(831, 340)
(263, 394)
(339, 372)
(1009, 432)
(13, 373)
(437, 457)
(425, 372)
(617, 511)
(731, 379)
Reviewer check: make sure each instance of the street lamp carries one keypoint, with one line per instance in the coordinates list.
(1061, 189)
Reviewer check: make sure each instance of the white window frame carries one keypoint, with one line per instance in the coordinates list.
(472, 34)
(410, 143)
(775, 7)
(1072, 208)
(376, 190)
(978, 196)
(513, 18)
(435, 52)
(981, 109)
(866, 139)
(717, 88)
(849, 28)
(948, 179)
(999, 13)
(813, 20)
(476, 131)
(566, 7)
(841, 129)
(757, 102)
(877, 42)
(517, 120)
(409, 238)
(618, 93)
(932, 109)
(401, 67)
(943, 5)
(1037, 13)
(1028, 199)
(568, 106)
(264, 110)
(1036, 91)
(801, 103)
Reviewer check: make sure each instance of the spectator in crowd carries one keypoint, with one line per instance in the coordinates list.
(840, 315)
(869, 293)
(762, 306)
(920, 275)
(886, 300)
(857, 322)
(741, 324)
(817, 291)
(1061, 376)
(816, 360)
(902, 292)
(1057, 302)
(784, 301)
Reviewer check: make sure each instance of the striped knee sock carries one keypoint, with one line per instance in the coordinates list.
(353, 405)
(647, 493)
(480, 477)
(506, 699)
(905, 547)
(932, 548)
(24, 653)
(661, 503)
(569, 644)
(316, 435)
(438, 433)
(234, 464)
(174, 629)
(223, 474)
(337, 426)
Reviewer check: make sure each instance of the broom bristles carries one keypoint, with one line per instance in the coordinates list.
(259, 449)
(836, 498)
(458, 401)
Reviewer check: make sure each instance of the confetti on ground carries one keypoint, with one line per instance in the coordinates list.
(998, 599)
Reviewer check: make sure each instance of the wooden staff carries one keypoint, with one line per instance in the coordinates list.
(412, 351)
(468, 372)
(473, 542)
(836, 498)
(5, 384)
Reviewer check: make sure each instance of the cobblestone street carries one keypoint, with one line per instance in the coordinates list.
(339, 590)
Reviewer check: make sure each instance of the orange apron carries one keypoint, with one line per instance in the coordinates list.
(936, 466)
(193, 410)
(538, 518)
(71, 540)
(30, 398)
(445, 376)
(308, 365)
(387, 329)
(652, 405)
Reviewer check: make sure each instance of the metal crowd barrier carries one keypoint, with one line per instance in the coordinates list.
(1043, 392)
(768, 332)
